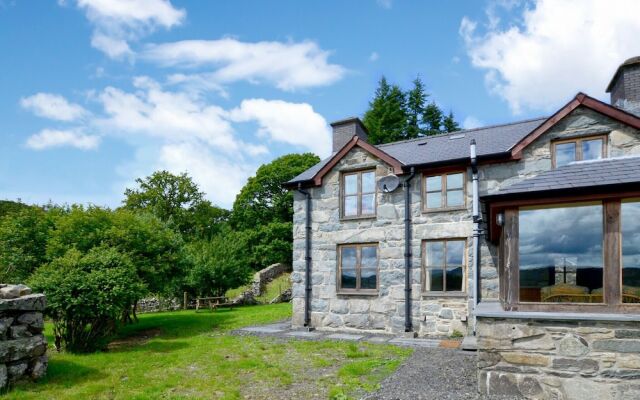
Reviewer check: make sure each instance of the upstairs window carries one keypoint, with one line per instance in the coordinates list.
(359, 194)
(444, 191)
(567, 151)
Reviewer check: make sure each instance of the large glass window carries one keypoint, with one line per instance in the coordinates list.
(444, 265)
(560, 250)
(630, 226)
(567, 151)
(359, 194)
(444, 191)
(358, 267)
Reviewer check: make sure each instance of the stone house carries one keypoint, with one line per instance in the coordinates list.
(526, 235)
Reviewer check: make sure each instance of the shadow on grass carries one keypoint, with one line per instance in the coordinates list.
(61, 373)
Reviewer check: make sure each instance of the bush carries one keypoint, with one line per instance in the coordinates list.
(23, 242)
(219, 264)
(87, 294)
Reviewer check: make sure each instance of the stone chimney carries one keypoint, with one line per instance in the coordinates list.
(345, 129)
(625, 86)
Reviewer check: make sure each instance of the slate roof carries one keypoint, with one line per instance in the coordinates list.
(576, 176)
(490, 141)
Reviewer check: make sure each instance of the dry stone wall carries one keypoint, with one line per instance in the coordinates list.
(541, 359)
(22, 343)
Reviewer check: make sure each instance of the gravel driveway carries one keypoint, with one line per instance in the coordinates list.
(433, 374)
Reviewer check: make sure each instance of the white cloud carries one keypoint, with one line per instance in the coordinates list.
(172, 116)
(385, 3)
(471, 122)
(293, 123)
(112, 47)
(288, 66)
(53, 106)
(218, 176)
(117, 22)
(182, 132)
(561, 47)
(48, 138)
(374, 56)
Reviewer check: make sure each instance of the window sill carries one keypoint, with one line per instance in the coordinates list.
(362, 218)
(449, 295)
(440, 210)
(357, 293)
(493, 309)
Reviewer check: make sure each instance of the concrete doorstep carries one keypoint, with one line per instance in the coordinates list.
(284, 330)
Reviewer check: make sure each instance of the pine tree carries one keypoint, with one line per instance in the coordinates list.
(386, 119)
(432, 119)
(450, 124)
(395, 115)
(416, 101)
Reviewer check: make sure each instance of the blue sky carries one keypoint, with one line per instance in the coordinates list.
(96, 93)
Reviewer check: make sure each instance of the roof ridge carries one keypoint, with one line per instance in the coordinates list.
(524, 121)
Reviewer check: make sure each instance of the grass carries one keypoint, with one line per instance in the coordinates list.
(184, 355)
(273, 289)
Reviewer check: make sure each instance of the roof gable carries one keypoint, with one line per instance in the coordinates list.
(315, 174)
(581, 99)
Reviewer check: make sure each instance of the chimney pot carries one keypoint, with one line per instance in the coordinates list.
(625, 86)
(346, 129)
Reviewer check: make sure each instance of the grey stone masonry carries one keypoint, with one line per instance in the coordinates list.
(432, 314)
(542, 359)
(22, 342)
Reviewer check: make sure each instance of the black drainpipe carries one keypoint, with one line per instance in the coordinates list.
(307, 258)
(407, 251)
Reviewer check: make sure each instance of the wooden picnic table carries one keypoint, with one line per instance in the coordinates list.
(213, 302)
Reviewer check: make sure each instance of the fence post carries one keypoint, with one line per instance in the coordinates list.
(184, 301)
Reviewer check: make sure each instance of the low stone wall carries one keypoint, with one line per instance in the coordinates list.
(157, 304)
(22, 343)
(259, 283)
(266, 275)
(542, 359)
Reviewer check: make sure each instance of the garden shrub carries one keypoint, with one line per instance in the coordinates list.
(87, 294)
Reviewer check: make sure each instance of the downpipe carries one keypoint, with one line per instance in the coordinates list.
(307, 257)
(407, 251)
(477, 219)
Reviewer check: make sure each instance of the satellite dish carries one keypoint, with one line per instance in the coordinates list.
(389, 183)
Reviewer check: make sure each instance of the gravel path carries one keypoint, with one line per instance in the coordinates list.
(433, 374)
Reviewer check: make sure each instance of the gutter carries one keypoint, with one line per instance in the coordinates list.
(307, 257)
(477, 219)
(407, 251)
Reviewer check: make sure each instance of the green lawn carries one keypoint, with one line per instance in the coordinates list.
(184, 355)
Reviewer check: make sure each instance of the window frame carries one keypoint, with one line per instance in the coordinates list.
(443, 191)
(578, 141)
(357, 290)
(359, 194)
(509, 268)
(444, 292)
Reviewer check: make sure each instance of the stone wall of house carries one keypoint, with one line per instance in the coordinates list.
(22, 343)
(386, 310)
(542, 359)
(430, 315)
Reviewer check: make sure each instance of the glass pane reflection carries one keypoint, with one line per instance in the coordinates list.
(561, 254)
(592, 149)
(630, 221)
(565, 153)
